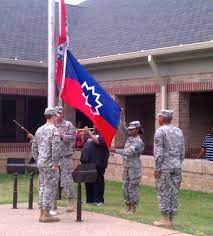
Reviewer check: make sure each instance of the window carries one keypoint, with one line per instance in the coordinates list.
(27, 110)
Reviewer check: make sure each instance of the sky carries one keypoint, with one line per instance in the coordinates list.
(73, 2)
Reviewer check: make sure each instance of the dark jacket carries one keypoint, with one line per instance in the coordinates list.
(95, 153)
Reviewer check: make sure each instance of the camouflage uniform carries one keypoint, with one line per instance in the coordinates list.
(45, 150)
(66, 150)
(169, 153)
(133, 148)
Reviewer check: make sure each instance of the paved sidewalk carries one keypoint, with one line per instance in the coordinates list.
(24, 222)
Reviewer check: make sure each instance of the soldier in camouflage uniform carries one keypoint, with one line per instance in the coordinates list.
(45, 150)
(169, 152)
(68, 136)
(133, 148)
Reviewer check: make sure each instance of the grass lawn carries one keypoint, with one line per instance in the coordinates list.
(195, 212)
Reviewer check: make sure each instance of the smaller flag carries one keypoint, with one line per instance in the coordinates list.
(82, 92)
(63, 42)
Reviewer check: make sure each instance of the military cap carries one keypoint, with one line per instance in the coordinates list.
(134, 125)
(59, 109)
(166, 114)
(51, 111)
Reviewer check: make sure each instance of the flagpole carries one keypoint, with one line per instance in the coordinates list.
(51, 53)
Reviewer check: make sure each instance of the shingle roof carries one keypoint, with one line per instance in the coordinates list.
(105, 27)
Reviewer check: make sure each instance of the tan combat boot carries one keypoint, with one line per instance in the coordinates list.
(133, 209)
(70, 205)
(128, 208)
(47, 218)
(165, 222)
(40, 216)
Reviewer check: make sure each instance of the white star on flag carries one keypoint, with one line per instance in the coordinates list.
(93, 109)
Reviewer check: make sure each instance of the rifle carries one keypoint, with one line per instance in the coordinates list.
(20, 126)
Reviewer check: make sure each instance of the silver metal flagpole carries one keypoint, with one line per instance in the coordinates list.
(51, 53)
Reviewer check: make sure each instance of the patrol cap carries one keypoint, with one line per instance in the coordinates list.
(134, 124)
(166, 114)
(59, 109)
(50, 111)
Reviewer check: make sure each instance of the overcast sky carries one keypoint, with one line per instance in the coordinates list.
(73, 2)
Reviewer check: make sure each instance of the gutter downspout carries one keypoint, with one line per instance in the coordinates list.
(163, 83)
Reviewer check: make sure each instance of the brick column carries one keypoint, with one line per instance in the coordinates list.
(184, 116)
(179, 102)
(157, 108)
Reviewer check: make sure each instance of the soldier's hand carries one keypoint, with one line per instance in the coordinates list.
(54, 167)
(86, 130)
(112, 149)
(157, 174)
(30, 136)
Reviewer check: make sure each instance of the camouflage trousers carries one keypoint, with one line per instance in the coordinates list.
(48, 182)
(167, 191)
(131, 181)
(66, 180)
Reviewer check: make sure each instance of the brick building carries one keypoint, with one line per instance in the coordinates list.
(148, 54)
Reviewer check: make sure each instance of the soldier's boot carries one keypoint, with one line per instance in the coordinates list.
(165, 222)
(70, 205)
(132, 209)
(40, 216)
(128, 207)
(47, 218)
(55, 205)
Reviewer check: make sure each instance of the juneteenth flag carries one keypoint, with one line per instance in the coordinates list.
(81, 91)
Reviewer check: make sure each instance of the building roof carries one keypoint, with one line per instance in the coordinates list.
(106, 27)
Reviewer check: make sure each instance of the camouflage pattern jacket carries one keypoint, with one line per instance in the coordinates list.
(169, 148)
(133, 148)
(67, 130)
(46, 145)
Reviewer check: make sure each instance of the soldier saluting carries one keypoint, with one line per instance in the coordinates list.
(133, 148)
(45, 150)
(169, 152)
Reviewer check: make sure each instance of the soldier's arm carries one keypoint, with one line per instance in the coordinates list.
(70, 135)
(136, 148)
(55, 147)
(118, 151)
(182, 154)
(123, 122)
(158, 149)
(34, 149)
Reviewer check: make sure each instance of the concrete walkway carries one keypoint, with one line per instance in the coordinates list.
(24, 222)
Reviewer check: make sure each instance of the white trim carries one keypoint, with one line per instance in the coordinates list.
(146, 53)
(23, 62)
(124, 56)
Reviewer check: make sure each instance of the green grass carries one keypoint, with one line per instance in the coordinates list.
(195, 211)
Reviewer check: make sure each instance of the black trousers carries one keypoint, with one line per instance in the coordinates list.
(95, 191)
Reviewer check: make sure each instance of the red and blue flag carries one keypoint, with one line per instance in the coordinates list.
(82, 92)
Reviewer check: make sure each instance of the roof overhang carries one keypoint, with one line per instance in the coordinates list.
(151, 52)
(18, 62)
(179, 49)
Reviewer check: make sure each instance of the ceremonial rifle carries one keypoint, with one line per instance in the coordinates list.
(22, 127)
